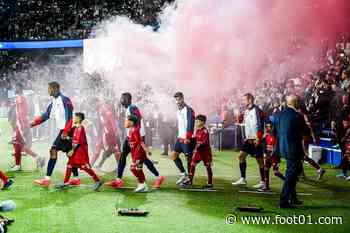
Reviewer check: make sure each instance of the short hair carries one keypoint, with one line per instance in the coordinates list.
(55, 85)
(127, 95)
(249, 95)
(20, 86)
(178, 94)
(133, 119)
(80, 115)
(201, 117)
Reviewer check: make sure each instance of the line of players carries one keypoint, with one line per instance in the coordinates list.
(72, 140)
(193, 144)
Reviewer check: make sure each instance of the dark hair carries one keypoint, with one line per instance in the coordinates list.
(249, 95)
(80, 115)
(55, 85)
(127, 95)
(20, 87)
(133, 118)
(178, 94)
(201, 117)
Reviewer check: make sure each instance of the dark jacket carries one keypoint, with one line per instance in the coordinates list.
(290, 127)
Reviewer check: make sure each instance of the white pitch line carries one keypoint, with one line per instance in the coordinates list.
(200, 190)
(271, 193)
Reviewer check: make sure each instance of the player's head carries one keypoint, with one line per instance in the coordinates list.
(125, 99)
(268, 127)
(179, 98)
(201, 120)
(79, 117)
(19, 88)
(130, 121)
(54, 89)
(248, 99)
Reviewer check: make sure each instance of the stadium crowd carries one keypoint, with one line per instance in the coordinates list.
(72, 19)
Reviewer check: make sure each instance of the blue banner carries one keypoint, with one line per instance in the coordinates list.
(41, 44)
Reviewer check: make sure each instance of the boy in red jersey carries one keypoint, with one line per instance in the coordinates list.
(139, 152)
(79, 155)
(202, 152)
(270, 157)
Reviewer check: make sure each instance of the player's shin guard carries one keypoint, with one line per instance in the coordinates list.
(150, 166)
(179, 165)
(51, 166)
(243, 168)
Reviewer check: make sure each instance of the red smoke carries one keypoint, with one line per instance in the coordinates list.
(205, 47)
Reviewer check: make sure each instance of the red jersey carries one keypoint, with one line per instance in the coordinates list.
(270, 142)
(134, 139)
(22, 113)
(202, 151)
(81, 153)
(202, 139)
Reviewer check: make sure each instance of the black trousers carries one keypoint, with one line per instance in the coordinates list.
(289, 192)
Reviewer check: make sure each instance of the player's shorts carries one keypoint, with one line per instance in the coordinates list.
(181, 147)
(60, 144)
(250, 148)
(204, 156)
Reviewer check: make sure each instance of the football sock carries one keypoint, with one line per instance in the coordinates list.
(179, 165)
(150, 166)
(121, 166)
(312, 162)
(243, 168)
(210, 175)
(75, 172)
(50, 166)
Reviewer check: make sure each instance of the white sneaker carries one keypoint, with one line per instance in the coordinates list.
(182, 179)
(348, 178)
(16, 168)
(259, 185)
(241, 181)
(341, 176)
(141, 188)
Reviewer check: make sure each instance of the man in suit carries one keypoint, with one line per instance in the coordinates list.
(290, 127)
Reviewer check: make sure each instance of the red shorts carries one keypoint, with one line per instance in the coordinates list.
(204, 155)
(138, 158)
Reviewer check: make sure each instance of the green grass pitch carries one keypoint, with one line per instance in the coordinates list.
(81, 210)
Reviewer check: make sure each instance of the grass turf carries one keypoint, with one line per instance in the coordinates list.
(81, 210)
